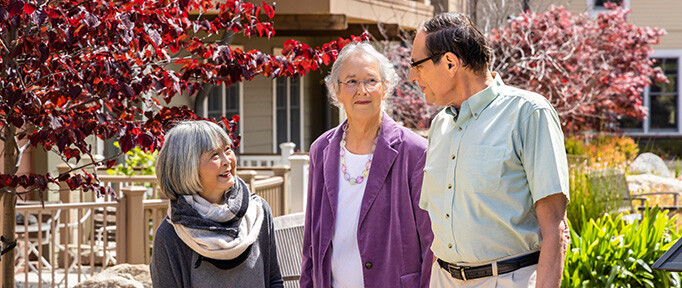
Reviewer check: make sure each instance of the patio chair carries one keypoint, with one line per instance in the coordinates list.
(32, 232)
(289, 239)
(105, 235)
(79, 250)
(73, 248)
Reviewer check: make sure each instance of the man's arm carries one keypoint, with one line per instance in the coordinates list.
(551, 212)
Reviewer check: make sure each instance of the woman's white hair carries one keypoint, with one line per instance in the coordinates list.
(386, 69)
(177, 166)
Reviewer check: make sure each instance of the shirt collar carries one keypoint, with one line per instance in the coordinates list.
(479, 101)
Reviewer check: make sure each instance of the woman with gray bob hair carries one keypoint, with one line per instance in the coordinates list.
(364, 180)
(386, 69)
(217, 233)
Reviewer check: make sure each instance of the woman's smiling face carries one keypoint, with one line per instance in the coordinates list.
(217, 170)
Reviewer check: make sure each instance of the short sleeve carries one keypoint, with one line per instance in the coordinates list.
(543, 154)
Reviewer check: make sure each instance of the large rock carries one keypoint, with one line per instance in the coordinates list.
(646, 183)
(649, 163)
(122, 275)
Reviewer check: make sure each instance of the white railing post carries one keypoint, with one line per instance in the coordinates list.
(299, 182)
(287, 150)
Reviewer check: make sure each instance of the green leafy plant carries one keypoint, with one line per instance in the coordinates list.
(137, 162)
(610, 252)
(590, 201)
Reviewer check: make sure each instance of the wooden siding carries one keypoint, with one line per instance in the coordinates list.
(662, 14)
(407, 13)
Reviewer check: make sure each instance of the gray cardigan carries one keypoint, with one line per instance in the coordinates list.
(173, 262)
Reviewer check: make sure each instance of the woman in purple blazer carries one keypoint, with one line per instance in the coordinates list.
(363, 224)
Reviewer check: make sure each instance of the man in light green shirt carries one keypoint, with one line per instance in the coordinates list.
(496, 179)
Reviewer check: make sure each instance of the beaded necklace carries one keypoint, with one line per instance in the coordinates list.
(342, 152)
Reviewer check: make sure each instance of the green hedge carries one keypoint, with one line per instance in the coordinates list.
(610, 252)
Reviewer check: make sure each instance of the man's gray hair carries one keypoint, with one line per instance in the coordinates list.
(386, 69)
(177, 166)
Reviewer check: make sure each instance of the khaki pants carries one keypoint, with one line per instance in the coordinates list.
(524, 277)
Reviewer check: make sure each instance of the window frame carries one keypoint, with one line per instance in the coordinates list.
(223, 88)
(301, 95)
(646, 129)
(593, 10)
(223, 94)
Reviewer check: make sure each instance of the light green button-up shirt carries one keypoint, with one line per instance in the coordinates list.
(486, 166)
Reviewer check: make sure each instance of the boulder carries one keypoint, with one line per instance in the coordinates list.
(122, 275)
(645, 183)
(649, 163)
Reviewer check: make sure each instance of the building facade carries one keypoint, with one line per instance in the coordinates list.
(296, 110)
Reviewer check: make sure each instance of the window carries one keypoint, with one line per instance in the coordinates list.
(662, 100)
(595, 7)
(663, 97)
(600, 3)
(219, 101)
(288, 112)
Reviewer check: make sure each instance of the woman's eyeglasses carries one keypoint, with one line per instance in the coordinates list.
(370, 84)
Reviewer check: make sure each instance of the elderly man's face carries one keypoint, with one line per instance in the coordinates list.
(362, 88)
(428, 75)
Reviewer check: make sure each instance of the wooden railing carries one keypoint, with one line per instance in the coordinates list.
(154, 211)
(85, 238)
(61, 244)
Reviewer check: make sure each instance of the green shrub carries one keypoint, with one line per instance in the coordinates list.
(137, 162)
(593, 202)
(609, 252)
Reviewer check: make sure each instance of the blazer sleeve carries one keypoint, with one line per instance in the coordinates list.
(306, 280)
(423, 222)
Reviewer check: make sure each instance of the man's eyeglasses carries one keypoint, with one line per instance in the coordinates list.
(370, 84)
(414, 64)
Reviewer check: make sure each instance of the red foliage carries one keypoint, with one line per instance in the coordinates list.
(407, 105)
(71, 69)
(593, 70)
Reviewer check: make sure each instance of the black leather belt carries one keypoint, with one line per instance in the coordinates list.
(506, 266)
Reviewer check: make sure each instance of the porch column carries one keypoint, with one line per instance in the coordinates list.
(287, 150)
(299, 182)
(135, 224)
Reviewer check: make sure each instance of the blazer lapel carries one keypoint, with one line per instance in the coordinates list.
(330, 158)
(382, 161)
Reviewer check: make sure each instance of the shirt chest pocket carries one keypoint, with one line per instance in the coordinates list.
(480, 168)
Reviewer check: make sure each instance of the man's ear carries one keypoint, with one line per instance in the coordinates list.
(452, 61)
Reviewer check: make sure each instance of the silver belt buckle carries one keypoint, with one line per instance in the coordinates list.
(461, 271)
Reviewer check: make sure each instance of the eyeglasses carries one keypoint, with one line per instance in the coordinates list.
(370, 84)
(414, 64)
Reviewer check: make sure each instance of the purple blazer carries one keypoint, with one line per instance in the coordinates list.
(394, 234)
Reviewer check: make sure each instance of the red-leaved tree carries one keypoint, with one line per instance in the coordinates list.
(72, 69)
(593, 70)
(407, 104)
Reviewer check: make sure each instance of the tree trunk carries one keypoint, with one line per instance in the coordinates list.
(471, 10)
(8, 201)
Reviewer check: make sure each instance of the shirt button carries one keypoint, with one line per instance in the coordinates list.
(459, 128)
(447, 216)
(450, 246)
(452, 157)
(449, 186)
(368, 265)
